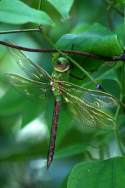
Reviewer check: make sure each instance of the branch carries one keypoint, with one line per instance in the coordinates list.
(118, 11)
(20, 31)
(111, 5)
(73, 52)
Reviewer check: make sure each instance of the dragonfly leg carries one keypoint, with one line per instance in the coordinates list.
(53, 133)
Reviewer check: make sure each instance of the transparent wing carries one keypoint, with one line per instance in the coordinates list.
(97, 99)
(27, 86)
(88, 112)
(32, 70)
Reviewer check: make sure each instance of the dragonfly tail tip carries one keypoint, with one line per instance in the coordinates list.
(48, 164)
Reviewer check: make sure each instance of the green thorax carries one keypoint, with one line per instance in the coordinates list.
(60, 73)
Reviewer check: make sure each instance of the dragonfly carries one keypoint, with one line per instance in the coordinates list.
(87, 105)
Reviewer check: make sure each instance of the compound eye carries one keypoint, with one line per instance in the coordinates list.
(58, 62)
(61, 65)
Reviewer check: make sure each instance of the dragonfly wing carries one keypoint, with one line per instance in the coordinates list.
(27, 86)
(86, 113)
(32, 70)
(97, 99)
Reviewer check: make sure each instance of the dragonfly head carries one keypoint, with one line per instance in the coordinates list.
(61, 65)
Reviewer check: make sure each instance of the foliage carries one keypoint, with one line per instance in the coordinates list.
(83, 158)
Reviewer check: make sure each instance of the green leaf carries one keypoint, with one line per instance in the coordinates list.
(81, 28)
(16, 12)
(105, 174)
(111, 86)
(96, 39)
(63, 6)
(120, 1)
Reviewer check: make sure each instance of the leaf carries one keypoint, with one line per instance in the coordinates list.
(16, 12)
(105, 174)
(63, 6)
(81, 28)
(111, 86)
(96, 39)
(120, 1)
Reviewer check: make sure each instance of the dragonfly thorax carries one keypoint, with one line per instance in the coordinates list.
(55, 87)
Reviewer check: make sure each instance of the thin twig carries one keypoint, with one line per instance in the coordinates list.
(39, 4)
(118, 11)
(117, 135)
(112, 5)
(19, 31)
(73, 52)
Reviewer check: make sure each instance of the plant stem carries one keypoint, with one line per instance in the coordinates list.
(116, 131)
(101, 153)
(72, 52)
(39, 4)
(118, 141)
(81, 68)
(112, 5)
(20, 31)
(118, 11)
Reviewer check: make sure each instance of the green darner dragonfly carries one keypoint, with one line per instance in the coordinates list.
(87, 105)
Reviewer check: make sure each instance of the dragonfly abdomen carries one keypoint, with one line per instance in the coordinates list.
(53, 132)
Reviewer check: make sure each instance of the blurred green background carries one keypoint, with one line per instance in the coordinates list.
(25, 123)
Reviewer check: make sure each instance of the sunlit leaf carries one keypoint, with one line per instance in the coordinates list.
(63, 6)
(96, 39)
(16, 12)
(105, 174)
